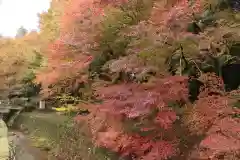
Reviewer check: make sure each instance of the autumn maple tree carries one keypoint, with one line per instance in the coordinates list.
(150, 121)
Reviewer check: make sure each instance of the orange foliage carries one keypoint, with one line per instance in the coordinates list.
(70, 52)
(16, 56)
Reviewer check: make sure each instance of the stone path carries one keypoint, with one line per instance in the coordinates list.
(4, 150)
(23, 149)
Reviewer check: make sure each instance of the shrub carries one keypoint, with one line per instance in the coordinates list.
(156, 120)
(142, 109)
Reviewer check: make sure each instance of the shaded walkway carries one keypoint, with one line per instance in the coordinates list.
(23, 148)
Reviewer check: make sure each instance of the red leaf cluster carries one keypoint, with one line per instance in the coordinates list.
(207, 111)
(136, 146)
(158, 137)
(133, 101)
(213, 117)
(166, 119)
(221, 138)
(172, 17)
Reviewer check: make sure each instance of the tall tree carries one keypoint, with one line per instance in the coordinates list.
(21, 32)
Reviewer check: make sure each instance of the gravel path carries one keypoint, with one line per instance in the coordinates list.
(23, 149)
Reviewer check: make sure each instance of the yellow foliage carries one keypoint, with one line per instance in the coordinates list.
(16, 56)
(67, 108)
